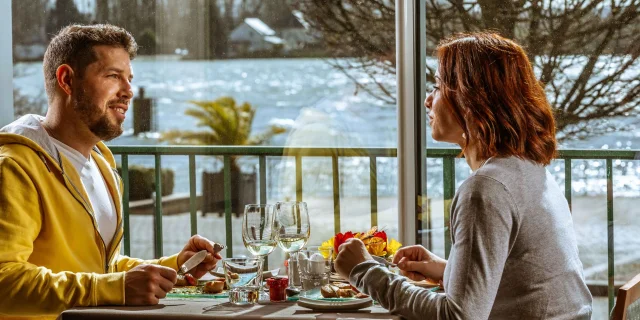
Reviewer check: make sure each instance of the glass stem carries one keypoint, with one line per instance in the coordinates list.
(293, 269)
(260, 272)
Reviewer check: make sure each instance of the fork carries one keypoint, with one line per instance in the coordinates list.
(384, 262)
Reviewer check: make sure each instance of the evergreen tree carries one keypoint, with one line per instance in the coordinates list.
(102, 11)
(217, 31)
(64, 13)
(28, 21)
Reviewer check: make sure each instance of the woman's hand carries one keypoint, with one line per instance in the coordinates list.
(418, 263)
(350, 254)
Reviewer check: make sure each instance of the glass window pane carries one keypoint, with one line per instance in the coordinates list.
(585, 55)
(282, 73)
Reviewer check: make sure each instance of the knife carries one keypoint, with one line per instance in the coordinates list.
(192, 262)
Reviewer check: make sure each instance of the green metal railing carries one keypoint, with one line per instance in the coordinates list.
(447, 155)
(226, 152)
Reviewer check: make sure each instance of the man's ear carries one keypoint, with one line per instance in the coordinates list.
(64, 76)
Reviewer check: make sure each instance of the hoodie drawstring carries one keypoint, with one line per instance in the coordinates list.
(44, 160)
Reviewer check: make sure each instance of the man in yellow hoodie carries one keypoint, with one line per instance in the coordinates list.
(60, 195)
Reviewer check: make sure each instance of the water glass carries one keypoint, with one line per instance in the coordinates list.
(243, 277)
(314, 264)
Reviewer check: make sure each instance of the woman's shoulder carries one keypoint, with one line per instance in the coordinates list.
(510, 170)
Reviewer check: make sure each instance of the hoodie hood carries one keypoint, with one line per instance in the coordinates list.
(28, 130)
(30, 127)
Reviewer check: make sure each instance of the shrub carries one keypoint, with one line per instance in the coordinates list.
(142, 182)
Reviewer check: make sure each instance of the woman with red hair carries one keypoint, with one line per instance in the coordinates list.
(514, 252)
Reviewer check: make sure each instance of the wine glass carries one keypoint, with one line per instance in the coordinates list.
(293, 230)
(258, 232)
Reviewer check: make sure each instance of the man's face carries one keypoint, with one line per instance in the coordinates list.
(101, 97)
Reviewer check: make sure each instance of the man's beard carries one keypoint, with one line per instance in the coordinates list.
(99, 125)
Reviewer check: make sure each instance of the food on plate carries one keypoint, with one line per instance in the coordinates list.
(186, 280)
(189, 290)
(341, 290)
(361, 295)
(215, 286)
(233, 275)
(342, 285)
(332, 291)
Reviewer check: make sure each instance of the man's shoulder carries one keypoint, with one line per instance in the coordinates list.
(17, 152)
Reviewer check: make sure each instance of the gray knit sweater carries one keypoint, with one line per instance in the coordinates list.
(514, 254)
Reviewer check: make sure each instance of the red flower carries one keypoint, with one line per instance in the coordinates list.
(381, 234)
(340, 239)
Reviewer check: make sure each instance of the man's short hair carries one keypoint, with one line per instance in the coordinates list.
(73, 45)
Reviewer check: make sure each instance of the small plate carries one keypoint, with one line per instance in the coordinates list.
(335, 304)
(424, 284)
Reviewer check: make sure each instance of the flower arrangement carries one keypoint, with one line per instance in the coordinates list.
(376, 242)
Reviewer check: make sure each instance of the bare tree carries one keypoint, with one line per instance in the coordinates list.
(28, 19)
(584, 51)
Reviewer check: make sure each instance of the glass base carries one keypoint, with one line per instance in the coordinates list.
(244, 295)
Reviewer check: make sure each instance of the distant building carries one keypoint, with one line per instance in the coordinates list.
(253, 35)
(295, 31)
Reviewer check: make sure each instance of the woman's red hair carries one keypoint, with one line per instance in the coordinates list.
(490, 86)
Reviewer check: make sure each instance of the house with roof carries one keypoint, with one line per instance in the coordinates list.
(295, 31)
(253, 35)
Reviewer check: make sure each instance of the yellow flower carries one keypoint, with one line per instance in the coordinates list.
(393, 246)
(328, 245)
(376, 246)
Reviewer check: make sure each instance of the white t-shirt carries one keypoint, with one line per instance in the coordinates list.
(95, 186)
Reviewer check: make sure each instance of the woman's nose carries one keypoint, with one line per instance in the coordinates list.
(427, 101)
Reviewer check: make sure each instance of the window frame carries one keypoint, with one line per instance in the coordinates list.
(6, 65)
(412, 145)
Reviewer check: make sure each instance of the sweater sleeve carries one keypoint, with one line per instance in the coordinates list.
(124, 263)
(398, 296)
(27, 289)
(483, 218)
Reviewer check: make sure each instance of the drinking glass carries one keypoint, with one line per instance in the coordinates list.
(243, 276)
(258, 233)
(292, 229)
(314, 263)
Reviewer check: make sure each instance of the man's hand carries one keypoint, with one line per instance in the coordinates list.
(418, 263)
(350, 254)
(146, 284)
(195, 244)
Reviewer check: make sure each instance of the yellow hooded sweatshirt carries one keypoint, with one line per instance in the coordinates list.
(51, 255)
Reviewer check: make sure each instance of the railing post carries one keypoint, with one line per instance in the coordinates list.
(610, 238)
(336, 193)
(298, 178)
(449, 188)
(192, 194)
(263, 193)
(373, 189)
(227, 205)
(125, 205)
(157, 217)
(567, 181)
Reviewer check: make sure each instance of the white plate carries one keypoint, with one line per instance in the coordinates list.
(338, 304)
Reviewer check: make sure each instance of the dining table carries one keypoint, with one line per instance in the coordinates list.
(205, 308)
